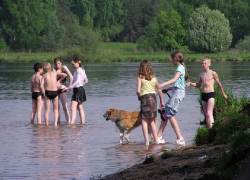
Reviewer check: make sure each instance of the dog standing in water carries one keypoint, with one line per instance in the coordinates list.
(125, 120)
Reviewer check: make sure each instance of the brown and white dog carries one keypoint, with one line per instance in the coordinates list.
(125, 120)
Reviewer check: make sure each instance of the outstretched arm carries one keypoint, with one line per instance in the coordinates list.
(171, 81)
(216, 78)
(198, 84)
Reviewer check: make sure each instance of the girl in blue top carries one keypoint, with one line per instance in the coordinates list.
(178, 94)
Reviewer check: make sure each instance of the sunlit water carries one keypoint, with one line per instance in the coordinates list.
(31, 151)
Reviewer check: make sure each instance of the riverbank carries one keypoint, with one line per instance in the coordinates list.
(119, 52)
(191, 162)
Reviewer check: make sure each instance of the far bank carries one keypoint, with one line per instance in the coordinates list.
(118, 52)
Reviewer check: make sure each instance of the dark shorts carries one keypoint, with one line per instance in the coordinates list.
(206, 96)
(35, 95)
(51, 94)
(79, 94)
(148, 106)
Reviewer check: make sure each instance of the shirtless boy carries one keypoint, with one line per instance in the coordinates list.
(207, 79)
(51, 90)
(37, 99)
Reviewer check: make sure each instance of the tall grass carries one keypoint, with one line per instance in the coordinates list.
(112, 51)
(232, 121)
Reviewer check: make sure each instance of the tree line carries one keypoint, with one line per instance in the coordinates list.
(53, 25)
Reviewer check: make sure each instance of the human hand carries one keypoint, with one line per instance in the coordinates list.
(165, 90)
(159, 86)
(162, 105)
(224, 96)
(188, 84)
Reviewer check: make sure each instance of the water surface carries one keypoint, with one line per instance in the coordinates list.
(31, 151)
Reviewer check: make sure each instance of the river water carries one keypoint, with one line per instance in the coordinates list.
(30, 151)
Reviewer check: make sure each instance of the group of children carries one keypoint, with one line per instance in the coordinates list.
(51, 86)
(147, 83)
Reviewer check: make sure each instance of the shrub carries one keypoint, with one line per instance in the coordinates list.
(209, 31)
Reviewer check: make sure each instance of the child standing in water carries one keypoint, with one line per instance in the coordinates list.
(37, 99)
(79, 96)
(146, 84)
(207, 78)
(62, 96)
(178, 94)
(51, 90)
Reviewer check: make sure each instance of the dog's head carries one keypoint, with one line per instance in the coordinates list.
(110, 114)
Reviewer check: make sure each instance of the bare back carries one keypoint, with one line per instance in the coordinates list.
(35, 83)
(207, 80)
(50, 80)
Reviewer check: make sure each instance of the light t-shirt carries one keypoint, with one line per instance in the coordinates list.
(148, 87)
(180, 83)
(78, 79)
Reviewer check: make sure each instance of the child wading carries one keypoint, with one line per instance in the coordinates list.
(37, 98)
(146, 85)
(178, 94)
(207, 79)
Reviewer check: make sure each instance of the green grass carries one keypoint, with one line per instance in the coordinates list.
(112, 51)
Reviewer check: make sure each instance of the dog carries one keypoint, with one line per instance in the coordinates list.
(126, 120)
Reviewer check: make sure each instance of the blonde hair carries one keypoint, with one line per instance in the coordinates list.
(145, 70)
(179, 57)
(46, 66)
(206, 58)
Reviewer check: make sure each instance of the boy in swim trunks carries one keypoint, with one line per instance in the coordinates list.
(51, 83)
(36, 94)
(207, 79)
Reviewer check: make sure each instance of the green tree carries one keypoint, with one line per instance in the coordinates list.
(110, 17)
(139, 15)
(209, 31)
(23, 21)
(165, 32)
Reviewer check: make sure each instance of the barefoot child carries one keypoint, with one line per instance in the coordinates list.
(146, 85)
(51, 90)
(79, 96)
(63, 97)
(178, 94)
(37, 99)
(207, 79)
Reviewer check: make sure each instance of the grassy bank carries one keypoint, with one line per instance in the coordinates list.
(110, 52)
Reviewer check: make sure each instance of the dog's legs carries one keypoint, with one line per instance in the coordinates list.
(121, 135)
(127, 135)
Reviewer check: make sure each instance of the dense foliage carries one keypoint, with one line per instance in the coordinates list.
(209, 31)
(52, 25)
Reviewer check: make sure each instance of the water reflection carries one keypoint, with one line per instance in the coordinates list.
(31, 151)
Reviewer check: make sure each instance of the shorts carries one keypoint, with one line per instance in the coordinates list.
(79, 94)
(171, 107)
(148, 106)
(206, 96)
(35, 95)
(51, 94)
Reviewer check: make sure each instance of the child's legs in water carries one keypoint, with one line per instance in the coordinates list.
(175, 126)
(63, 99)
(145, 131)
(208, 111)
(33, 112)
(55, 109)
(47, 110)
(81, 112)
(74, 106)
(39, 109)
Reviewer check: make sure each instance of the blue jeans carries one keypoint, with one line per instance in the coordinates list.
(171, 107)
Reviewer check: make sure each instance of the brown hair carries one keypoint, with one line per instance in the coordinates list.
(145, 70)
(179, 57)
(77, 60)
(55, 61)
